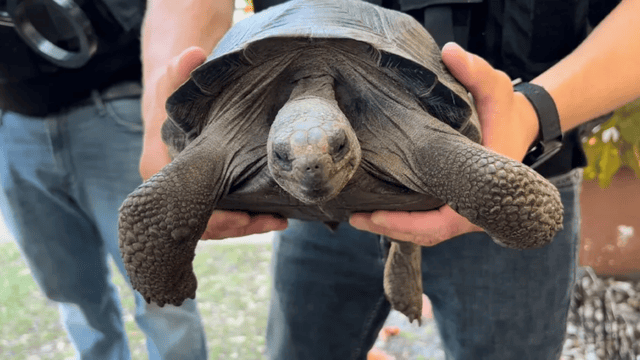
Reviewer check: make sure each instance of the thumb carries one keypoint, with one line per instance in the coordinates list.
(459, 62)
(182, 65)
(476, 74)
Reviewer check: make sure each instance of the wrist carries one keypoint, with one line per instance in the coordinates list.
(155, 155)
(152, 126)
(153, 116)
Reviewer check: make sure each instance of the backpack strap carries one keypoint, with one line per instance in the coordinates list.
(445, 20)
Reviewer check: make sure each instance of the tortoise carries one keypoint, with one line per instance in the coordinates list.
(316, 109)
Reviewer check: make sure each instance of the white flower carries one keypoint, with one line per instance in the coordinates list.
(610, 134)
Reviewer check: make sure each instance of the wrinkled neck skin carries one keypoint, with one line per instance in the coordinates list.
(314, 84)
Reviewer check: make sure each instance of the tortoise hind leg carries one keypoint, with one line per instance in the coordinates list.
(403, 279)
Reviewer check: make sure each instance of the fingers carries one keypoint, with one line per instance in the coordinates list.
(182, 65)
(226, 224)
(426, 228)
(458, 61)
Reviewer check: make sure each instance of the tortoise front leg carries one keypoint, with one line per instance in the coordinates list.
(162, 220)
(403, 279)
(516, 206)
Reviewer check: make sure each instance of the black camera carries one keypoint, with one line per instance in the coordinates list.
(58, 30)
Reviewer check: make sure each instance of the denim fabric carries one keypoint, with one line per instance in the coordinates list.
(489, 302)
(64, 178)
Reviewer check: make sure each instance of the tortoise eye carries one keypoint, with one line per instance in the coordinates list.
(281, 156)
(339, 145)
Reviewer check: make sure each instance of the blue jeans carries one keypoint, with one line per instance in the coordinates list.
(64, 178)
(489, 302)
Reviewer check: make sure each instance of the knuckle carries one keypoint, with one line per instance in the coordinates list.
(449, 232)
(503, 79)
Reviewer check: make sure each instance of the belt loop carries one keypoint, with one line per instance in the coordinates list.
(1, 116)
(97, 101)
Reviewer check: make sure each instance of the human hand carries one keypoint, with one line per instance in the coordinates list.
(155, 154)
(227, 224)
(509, 126)
(508, 121)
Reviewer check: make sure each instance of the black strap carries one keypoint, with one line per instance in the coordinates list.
(549, 139)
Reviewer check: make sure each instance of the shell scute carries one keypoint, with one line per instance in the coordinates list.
(397, 41)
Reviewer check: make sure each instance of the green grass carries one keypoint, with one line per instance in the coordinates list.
(233, 295)
(29, 325)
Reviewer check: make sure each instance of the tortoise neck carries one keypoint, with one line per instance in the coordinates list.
(314, 86)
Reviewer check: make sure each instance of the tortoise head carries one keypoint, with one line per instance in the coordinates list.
(312, 150)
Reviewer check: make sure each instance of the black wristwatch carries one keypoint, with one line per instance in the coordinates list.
(549, 139)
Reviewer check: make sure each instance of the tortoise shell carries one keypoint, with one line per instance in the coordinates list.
(254, 69)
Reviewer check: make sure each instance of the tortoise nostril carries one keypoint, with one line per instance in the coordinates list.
(312, 167)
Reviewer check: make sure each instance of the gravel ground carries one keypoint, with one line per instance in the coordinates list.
(604, 321)
(603, 324)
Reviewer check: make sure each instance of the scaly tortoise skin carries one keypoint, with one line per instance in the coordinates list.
(316, 110)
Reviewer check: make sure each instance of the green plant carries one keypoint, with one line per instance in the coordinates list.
(249, 7)
(614, 144)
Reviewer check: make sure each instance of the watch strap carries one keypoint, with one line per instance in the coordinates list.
(549, 139)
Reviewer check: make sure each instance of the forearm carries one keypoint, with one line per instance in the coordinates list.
(602, 74)
(169, 28)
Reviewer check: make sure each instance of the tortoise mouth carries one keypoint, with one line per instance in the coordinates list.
(317, 189)
(317, 195)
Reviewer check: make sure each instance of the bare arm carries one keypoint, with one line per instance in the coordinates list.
(171, 27)
(603, 73)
